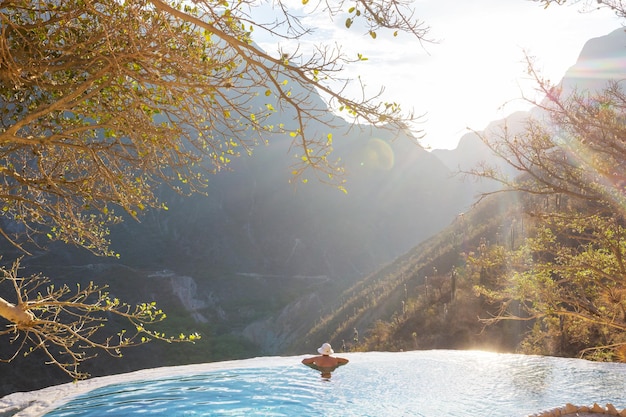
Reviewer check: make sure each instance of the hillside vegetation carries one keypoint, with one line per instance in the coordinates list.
(426, 298)
(519, 283)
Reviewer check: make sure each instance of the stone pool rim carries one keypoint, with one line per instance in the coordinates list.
(40, 402)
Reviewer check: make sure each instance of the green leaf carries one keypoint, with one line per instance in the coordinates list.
(348, 22)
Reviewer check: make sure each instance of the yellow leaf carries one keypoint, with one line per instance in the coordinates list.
(268, 92)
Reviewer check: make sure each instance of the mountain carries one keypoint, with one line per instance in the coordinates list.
(415, 302)
(600, 60)
(472, 151)
(255, 228)
(254, 221)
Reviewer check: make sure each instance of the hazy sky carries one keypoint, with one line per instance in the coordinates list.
(476, 66)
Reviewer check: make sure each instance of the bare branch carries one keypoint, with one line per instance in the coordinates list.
(66, 324)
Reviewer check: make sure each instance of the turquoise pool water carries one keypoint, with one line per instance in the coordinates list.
(421, 383)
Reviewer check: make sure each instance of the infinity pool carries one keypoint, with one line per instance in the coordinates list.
(421, 383)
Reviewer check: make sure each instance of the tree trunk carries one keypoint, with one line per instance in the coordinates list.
(14, 313)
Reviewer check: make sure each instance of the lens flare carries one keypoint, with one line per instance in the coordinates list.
(378, 155)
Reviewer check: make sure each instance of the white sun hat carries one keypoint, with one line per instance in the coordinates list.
(326, 349)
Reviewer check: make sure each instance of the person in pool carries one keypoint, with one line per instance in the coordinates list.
(325, 363)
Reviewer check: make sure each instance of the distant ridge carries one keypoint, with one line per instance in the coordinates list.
(601, 59)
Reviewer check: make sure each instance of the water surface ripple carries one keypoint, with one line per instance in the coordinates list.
(421, 383)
